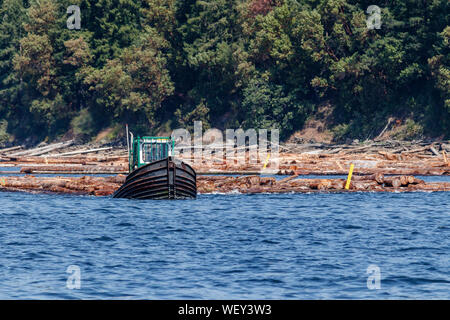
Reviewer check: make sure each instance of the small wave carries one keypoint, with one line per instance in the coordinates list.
(125, 224)
(416, 249)
(266, 280)
(350, 226)
(270, 241)
(15, 243)
(102, 238)
(33, 256)
(234, 271)
(412, 280)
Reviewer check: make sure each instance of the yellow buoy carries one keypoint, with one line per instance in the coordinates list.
(267, 161)
(349, 179)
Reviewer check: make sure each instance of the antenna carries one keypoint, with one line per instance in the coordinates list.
(128, 142)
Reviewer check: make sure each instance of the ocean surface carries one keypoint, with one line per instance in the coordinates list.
(293, 246)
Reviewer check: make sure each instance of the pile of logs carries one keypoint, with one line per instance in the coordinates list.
(373, 183)
(289, 164)
(364, 164)
(425, 148)
(105, 186)
(48, 151)
(41, 150)
(96, 186)
(393, 158)
(70, 165)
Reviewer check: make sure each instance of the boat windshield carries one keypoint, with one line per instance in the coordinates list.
(155, 151)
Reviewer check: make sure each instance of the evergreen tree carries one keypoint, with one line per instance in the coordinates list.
(12, 17)
(212, 54)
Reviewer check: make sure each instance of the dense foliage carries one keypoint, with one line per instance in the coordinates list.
(161, 64)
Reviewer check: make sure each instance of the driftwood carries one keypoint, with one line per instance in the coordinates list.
(390, 121)
(432, 149)
(10, 149)
(50, 148)
(43, 150)
(73, 153)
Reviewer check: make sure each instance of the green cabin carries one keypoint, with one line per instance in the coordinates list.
(146, 150)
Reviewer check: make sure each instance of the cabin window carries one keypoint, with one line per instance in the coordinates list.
(154, 151)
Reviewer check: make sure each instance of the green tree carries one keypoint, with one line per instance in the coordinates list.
(114, 25)
(36, 68)
(134, 85)
(12, 17)
(267, 106)
(213, 52)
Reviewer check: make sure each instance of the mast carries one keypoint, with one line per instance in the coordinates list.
(128, 147)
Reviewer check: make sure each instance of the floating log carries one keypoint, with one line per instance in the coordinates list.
(84, 169)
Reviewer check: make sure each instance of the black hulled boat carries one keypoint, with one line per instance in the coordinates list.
(155, 173)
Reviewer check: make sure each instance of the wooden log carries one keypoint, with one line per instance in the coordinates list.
(390, 120)
(417, 150)
(394, 182)
(50, 148)
(74, 169)
(287, 179)
(324, 185)
(388, 156)
(338, 184)
(10, 149)
(43, 150)
(404, 181)
(378, 177)
(418, 181)
(432, 149)
(72, 153)
(363, 185)
(267, 181)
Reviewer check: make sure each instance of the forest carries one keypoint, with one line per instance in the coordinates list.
(158, 65)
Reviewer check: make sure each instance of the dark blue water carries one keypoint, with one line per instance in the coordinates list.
(306, 246)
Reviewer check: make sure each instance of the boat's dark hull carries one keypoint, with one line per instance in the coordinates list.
(163, 179)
